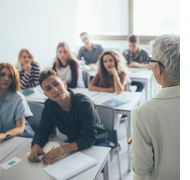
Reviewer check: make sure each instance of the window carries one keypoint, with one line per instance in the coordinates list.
(102, 17)
(156, 17)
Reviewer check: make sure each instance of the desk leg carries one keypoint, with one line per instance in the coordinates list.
(128, 129)
(88, 79)
(107, 169)
(146, 90)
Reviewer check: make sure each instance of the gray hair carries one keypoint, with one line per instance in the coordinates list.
(166, 49)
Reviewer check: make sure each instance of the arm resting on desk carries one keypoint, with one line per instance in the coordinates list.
(53, 155)
(19, 129)
(91, 87)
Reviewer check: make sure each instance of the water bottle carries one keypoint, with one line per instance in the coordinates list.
(82, 61)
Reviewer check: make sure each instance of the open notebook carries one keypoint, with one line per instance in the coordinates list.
(48, 148)
(115, 102)
(70, 166)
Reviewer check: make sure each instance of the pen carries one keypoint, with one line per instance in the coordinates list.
(50, 150)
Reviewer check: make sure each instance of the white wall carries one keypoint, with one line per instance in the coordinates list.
(38, 25)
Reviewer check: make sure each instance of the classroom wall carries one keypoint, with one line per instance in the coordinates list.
(38, 25)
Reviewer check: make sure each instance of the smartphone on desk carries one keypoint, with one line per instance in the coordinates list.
(27, 92)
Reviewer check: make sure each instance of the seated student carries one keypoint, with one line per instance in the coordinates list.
(67, 67)
(89, 51)
(14, 108)
(136, 58)
(29, 70)
(75, 115)
(112, 73)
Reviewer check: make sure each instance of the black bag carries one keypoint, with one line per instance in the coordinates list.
(101, 134)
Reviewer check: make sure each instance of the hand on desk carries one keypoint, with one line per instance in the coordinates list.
(111, 89)
(52, 156)
(3, 136)
(36, 151)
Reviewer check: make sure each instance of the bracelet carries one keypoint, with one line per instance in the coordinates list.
(118, 79)
(61, 149)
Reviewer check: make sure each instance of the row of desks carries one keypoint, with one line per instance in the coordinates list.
(34, 170)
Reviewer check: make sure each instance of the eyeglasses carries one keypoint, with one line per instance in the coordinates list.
(149, 60)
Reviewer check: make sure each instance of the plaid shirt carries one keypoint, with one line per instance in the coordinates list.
(141, 56)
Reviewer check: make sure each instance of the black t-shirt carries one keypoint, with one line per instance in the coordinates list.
(79, 123)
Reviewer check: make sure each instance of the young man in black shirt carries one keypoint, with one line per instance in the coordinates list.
(75, 115)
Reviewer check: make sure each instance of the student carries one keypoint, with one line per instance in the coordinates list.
(14, 108)
(75, 115)
(89, 51)
(136, 58)
(155, 149)
(112, 73)
(67, 67)
(29, 70)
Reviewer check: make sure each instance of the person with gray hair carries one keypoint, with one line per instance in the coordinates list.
(155, 143)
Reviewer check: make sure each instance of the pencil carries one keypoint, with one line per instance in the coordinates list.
(50, 150)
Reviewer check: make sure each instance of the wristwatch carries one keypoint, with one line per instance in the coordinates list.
(129, 141)
(118, 79)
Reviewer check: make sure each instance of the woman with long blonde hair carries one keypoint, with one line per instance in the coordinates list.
(67, 66)
(14, 107)
(112, 73)
(29, 70)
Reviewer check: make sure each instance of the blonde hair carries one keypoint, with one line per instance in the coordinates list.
(15, 85)
(70, 56)
(119, 64)
(18, 65)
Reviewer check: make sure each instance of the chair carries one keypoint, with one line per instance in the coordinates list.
(36, 109)
(107, 116)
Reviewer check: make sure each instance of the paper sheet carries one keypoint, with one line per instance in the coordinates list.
(70, 166)
(10, 163)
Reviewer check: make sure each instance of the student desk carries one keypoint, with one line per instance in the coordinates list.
(8, 146)
(143, 75)
(26, 170)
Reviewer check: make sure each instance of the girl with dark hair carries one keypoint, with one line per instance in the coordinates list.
(112, 73)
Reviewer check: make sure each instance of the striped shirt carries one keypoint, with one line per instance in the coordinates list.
(140, 57)
(31, 79)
